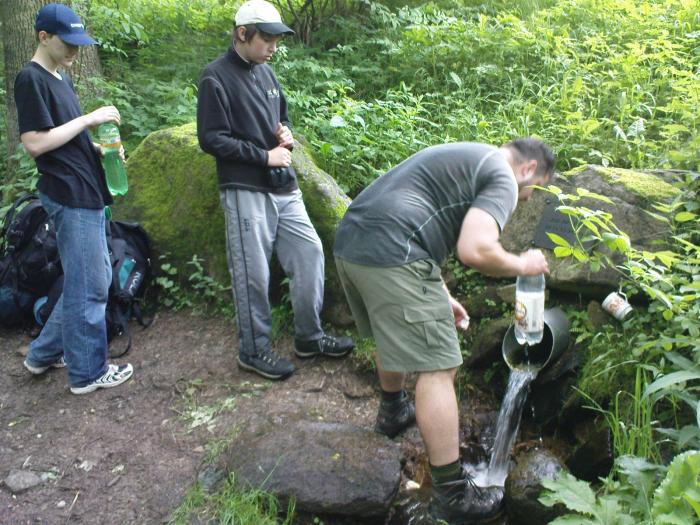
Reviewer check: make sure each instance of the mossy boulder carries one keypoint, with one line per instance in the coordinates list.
(173, 193)
(632, 193)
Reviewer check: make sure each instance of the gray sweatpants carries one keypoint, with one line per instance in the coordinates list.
(258, 224)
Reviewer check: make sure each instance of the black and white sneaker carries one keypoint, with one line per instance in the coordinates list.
(114, 376)
(267, 364)
(36, 370)
(327, 345)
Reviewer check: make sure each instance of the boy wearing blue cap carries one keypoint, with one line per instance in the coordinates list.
(73, 191)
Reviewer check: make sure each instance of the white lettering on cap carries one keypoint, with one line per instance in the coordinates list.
(76, 25)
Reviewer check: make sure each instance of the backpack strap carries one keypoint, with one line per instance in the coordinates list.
(124, 322)
(9, 216)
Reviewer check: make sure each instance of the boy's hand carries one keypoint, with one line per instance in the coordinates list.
(102, 115)
(279, 157)
(284, 136)
(101, 151)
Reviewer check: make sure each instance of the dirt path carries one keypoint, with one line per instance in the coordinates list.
(129, 454)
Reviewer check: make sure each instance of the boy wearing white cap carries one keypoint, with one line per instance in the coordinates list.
(73, 191)
(242, 121)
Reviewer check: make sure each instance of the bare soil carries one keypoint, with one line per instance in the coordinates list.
(129, 454)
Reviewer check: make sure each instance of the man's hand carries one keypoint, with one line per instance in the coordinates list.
(461, 316)
(533, 262)
(284, 136)
(279, 157)
(102, 115)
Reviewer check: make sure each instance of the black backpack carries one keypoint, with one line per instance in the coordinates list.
(132, 274)
(130, 255)
(29, 260)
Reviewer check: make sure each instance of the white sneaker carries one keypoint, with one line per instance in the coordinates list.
(114, 376)
(36, 370)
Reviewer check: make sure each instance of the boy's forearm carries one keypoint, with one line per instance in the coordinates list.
(40, 142)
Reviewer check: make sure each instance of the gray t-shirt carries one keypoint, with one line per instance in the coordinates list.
(415, 210)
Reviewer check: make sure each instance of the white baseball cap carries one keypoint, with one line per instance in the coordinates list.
(264, 16)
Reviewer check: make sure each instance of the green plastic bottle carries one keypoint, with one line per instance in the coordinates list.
(108, 135)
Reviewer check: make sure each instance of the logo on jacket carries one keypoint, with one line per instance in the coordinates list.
(273, 93)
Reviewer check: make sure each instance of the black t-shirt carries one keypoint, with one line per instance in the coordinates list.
(72, 174)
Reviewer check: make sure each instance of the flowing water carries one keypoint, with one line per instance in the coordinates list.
(507, 426)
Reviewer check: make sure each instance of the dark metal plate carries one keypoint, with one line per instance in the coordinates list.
(553, 222)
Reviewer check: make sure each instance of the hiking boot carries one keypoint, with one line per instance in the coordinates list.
(327, 345)
(114, 376)
(267, 364)
(36, 370)
(394, 418)
(462, 502)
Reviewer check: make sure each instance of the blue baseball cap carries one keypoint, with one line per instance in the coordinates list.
(61, 20)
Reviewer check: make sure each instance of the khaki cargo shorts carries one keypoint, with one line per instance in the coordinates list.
(407, 312)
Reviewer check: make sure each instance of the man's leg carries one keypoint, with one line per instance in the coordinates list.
(300, 252)
(396, 412)
(437, 415)
(251, 223)
(455, 497)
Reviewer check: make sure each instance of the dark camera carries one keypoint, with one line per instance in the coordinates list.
(280, 177)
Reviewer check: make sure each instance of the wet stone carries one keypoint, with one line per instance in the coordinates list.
(523, 487)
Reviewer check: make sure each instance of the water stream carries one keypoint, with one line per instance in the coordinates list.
(507, 425)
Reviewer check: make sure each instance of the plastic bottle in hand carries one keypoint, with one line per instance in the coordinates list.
(108, 135)
(529, 309)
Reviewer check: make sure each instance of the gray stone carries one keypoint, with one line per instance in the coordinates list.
(597, 316)
(488, 303)
(632, 192)
(328, 468)
(20, 480)
(524, 485)
(209, 477)
(486, 347)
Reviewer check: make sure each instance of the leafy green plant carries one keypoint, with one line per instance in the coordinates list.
(172, 295)
(669, 278)
(676, 500)
(208, 291)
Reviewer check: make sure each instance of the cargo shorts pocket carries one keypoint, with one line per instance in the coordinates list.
(431, 321)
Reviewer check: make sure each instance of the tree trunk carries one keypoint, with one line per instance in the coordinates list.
(88, 66)
(19, 43)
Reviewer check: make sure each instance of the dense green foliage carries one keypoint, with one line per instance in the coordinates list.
(612, 82)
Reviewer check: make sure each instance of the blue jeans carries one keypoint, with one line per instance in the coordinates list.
(76, 328)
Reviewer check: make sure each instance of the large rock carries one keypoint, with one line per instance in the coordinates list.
(328, 468)
(524, 485)
(632, 192)
(173, 193)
